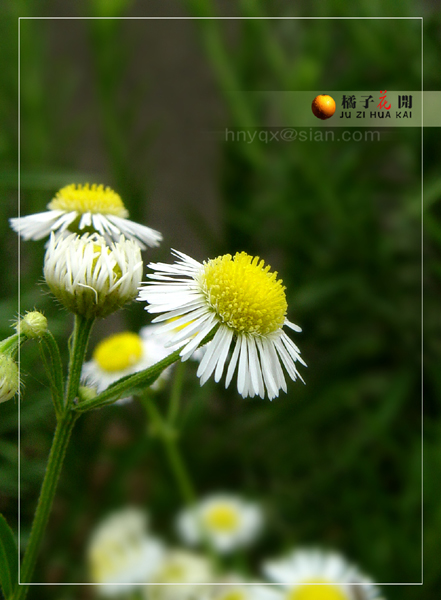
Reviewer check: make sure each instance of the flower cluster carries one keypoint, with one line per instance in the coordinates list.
(123, 554)
(93, 266)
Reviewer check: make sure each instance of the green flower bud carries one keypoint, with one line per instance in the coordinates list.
(86, 393)
(33, 324)
(8, 377)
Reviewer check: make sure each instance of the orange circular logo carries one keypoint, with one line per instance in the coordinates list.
(323, 106)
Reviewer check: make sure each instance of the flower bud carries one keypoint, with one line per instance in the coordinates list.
(8, 377)
(32, 325)
(90, 278)
(86, 393)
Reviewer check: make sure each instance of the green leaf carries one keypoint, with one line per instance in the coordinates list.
(8, 559)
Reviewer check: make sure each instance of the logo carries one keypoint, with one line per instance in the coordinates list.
(365, 106)
(323, 106)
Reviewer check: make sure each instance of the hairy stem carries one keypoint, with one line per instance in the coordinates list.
(53, 470)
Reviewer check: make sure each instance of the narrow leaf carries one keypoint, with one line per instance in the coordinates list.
(8, 559)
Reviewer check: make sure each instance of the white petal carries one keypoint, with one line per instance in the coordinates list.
(145, 235)
(37, 226)
(287, 360)
(265, 361)
(194, 343)
(292, 326)
(216, 349)
(223, 355)
(255, 368)
(243, 367)
(233, 363)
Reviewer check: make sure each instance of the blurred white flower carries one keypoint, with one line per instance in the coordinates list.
(232, 587)
(90, 278)
(121, 552)
(194, 571)
(223, 520)
(122, 354)
(86, 208)
(319, 575)
(243, 303)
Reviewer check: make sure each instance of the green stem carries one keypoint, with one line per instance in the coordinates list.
(135, 384)
(10, 345)
(131, 384)
(66, 420)
(80, 338)
(168, 437)
(53, 470)
(175, 394)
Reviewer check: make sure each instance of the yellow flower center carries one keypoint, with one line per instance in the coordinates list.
(244, 294)
(221, 518)
(97, 250)
(173, 573)
(103, 564)
(86, 198)
(325, 591)
(118, 352)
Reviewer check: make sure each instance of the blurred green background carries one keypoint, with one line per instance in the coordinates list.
(142, 105)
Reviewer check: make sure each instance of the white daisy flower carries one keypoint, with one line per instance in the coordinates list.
(225, 521)
(88, 208)
(178, 566)
(122, 354)
(243, 302)
(121, 551)
(89, 277)
(318, 575)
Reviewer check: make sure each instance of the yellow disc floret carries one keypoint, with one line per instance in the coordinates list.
(325, 591)
(222, 518)
(244, 293)
(118, 352)
(86, 198)
(97, 250)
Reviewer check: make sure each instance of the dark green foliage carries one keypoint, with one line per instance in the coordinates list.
(337, 462)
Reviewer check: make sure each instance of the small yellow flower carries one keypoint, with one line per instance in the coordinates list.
(226, 521)
(124, 353)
